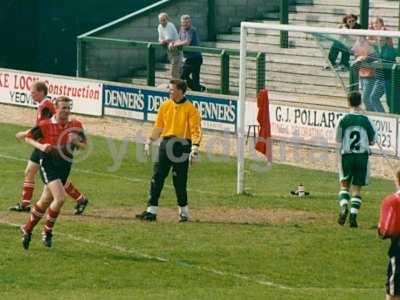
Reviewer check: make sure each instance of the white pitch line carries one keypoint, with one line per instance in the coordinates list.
(201, 268)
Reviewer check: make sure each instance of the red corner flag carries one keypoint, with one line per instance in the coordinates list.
(264, 142)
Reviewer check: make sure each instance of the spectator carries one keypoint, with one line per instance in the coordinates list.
(349, 22)
(167, 35)
(386, 56)
(363, 52)
(192, 60)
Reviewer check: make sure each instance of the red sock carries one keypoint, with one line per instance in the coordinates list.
(73, 191)
(50, 220)
(36, 214)
(27, 193)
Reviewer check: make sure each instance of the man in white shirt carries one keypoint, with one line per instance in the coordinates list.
(167, 34)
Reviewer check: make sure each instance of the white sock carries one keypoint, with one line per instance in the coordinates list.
(353, 210)
(152, 209)
(184, 210)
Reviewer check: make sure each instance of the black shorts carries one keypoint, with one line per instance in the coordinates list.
(393, 276)
(35, 156)
(53, 167)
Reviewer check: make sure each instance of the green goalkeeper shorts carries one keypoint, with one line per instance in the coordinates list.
(354, 168)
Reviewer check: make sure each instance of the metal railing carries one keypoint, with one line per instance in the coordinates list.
(284, 19)
(152, 47)
(364, 13)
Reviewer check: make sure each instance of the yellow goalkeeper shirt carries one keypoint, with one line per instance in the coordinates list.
(180, 120)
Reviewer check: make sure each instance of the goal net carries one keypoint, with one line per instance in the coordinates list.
(317, 66)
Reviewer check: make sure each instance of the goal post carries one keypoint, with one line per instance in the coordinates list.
(323, 35)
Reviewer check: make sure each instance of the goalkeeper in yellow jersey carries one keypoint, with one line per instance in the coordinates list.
(178, 123)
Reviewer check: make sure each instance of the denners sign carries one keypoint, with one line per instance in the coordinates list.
(217, 113)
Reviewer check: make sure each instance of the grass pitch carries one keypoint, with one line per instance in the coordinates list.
(269, 245)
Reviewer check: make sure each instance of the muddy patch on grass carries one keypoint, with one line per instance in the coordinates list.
(204, 215)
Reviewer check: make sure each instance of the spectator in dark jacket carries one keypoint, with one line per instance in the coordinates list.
(343, 47)
(192, 60)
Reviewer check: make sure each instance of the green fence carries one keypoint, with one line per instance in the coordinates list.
(395, 90)
(152, 47)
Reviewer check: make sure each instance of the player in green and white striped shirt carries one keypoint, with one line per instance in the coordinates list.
(355, 134)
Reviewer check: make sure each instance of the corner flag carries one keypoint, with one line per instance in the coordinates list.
(264, 142)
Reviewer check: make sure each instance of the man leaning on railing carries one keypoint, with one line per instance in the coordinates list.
(167, 35)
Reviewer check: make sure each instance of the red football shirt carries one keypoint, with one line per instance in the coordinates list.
(52, 132)
(45, 110)
(389, 221)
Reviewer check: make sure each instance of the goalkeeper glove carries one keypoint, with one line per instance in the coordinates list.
(194, 154)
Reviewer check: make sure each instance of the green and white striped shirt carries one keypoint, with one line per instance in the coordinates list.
(356, 133)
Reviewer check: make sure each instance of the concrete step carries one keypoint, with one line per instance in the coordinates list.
(350, 3)
(268, 48)
(280, 73)
(318, 62)
(269, 32)
(323, 19)
(281, 88)
(296, 68)
(340, 11)
(271, 76)
(269, 39)
(280, 65)
(213, 67)
(279, 83)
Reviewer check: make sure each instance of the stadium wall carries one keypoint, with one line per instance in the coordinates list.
(48, 30)
(231, 12)
(113, 62)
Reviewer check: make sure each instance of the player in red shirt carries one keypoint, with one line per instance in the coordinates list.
(56, 139)
(393, 269)
(45, 111)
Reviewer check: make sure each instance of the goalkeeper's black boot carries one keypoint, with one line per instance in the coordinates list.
(20, 208)
(26, 237)
(146, 216)
(344, 211)
(47, 239)
(353, 220)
